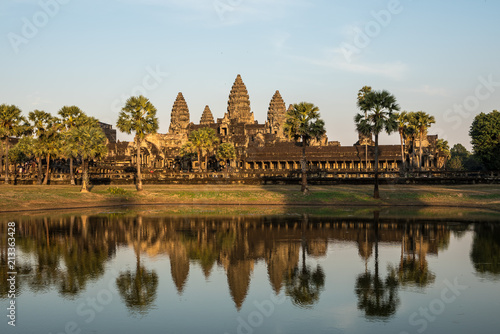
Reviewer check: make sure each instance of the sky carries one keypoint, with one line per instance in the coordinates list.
(441, 57)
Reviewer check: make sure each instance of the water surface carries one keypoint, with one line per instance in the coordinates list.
(121, 271)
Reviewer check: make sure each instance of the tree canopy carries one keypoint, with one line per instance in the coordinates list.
(138, 116)
(485, 134)
(204, 141)
(303, 124)
(378, 108)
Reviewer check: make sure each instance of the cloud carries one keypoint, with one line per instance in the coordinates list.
(36, 100)
(394, 70)
(226, 12)
(431, 91)
(278, 40)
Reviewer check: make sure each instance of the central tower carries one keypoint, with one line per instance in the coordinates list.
(238, 106)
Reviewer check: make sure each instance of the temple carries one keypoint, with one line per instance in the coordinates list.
(260, 147)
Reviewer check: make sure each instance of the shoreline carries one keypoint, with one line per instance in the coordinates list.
(50, 198)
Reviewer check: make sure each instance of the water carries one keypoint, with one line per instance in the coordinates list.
(150, 271)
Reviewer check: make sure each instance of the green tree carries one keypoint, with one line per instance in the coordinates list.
(455, 164)
(204, 141)
(187, 155)
(87, 141)
(458, 155)
(23, 151)
(410, 136)
(361, 95)
(12, 124)
(402, 120)
(138, 116)
(303, 124)
(70, 117)
(485, 134)
(226, 152)
(422, 122)
(379, 107)
(442, 152)
(46, 129)
(459, 151)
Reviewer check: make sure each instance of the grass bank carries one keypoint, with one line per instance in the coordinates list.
(21, 198)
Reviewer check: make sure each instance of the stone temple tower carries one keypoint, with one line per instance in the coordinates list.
(207, 118)
(276, 115)
(238, 106)
(179, 119)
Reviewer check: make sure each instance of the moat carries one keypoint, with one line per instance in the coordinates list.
(195, 270)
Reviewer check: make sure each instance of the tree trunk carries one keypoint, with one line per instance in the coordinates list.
(420, 153)
(40, 177)
(366, 157)
(1, 158)
(303, 163)
(46, 180)
(366, 145)
(139, 177)
(402, 147)
(199, 161)
(375, 190)
(206, 162)
(71, 175)
(7, 161)
(85, 177)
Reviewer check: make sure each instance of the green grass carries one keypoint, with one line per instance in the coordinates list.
(40, 197)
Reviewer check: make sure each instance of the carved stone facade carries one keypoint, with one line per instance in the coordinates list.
(276, 115)
(179, 119)
(207, 119)
(258, 146)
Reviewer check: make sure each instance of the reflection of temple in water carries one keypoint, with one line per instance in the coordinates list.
(71, 251)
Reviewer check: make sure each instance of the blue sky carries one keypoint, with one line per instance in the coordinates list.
(437, 56)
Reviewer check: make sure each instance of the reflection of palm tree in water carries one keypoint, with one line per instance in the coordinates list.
(138, 289)
(377, 297)
(304, 286)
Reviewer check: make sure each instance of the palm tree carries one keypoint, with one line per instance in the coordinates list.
(443, 151)
(139, 116)
(361, 95)
(304, 286)
(379, 106)
(22, 152)
(69, 119)
(87, 141)
(46, 129)
(423, 121)
(12, 124)
(138, 289)
(303, 123)
(187, 155)
(204, 140)
(402, 122)
(378, 298)
(225, 152)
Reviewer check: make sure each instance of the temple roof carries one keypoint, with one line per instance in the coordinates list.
(276, 113)
(238, 105)
(179, 119)
(207, 118)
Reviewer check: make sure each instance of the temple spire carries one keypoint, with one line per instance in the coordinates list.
(207, 118)
(238, 106)
(276, 115)
(179, 119)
